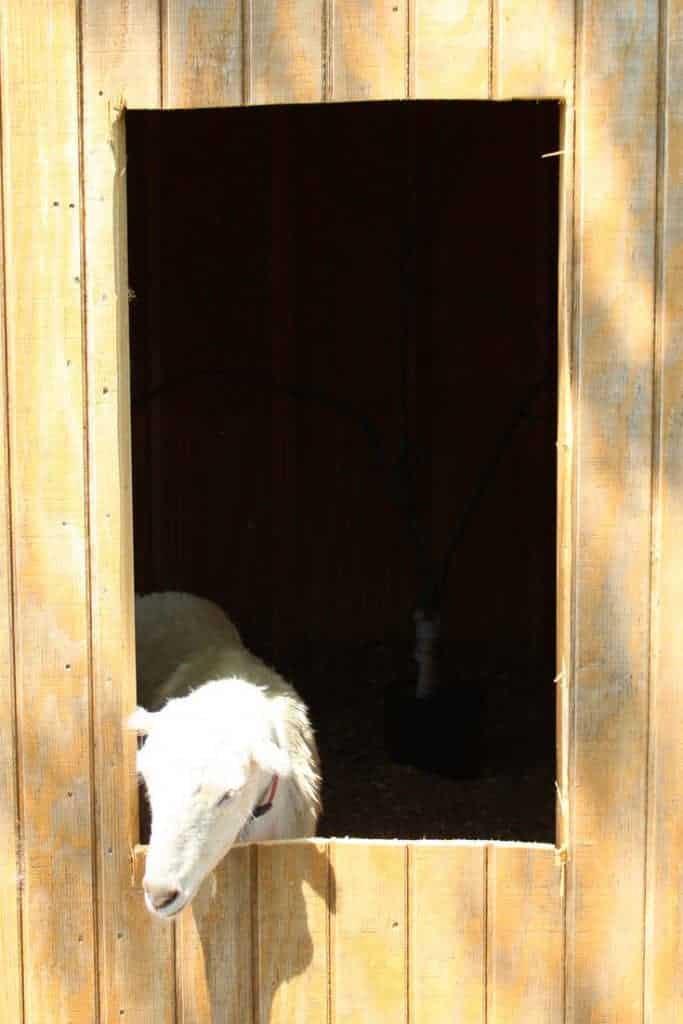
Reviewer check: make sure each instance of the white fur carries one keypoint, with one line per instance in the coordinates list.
(230, 724)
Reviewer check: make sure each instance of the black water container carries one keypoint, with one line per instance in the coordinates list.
(442, 733)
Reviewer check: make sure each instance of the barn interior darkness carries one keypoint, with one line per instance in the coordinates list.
(344, 364)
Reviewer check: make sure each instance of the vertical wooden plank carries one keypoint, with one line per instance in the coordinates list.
(202, 53)
(121, 63)
(533, 49)
(294, 900)
(145, 187)
(286, 57)
(450, 49)
(214, 945)
(10, 920)
(615, 203)
(525, 935)
(42, 186)
(447, 933)
(368, 50)
(566, 454)
(368, 968)
(664, 942)
(120, 54)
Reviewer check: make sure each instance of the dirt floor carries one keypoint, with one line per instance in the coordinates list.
(367, 795)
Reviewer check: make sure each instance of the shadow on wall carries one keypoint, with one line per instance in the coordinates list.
(253, 928)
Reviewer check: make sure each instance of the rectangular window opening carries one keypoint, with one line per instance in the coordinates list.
(344, 372)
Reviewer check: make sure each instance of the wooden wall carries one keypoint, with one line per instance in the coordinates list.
(75, 942)
(446, 931)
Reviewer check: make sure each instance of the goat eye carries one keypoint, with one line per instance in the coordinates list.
(228, 795)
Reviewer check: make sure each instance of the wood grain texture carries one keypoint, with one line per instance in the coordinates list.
(450, 49)
(11, 993)
(285, 63)
(373, 938)
(368, 964)
(447, 933)
(533, 49)
(136, 961)
(42, 188)
(202, 53)
(294, 899)
(615, 204)
(214, 945)
(525, 973)
(331, 930)
(121, 66)
(566, 453)
(368, 50)
(664, 940)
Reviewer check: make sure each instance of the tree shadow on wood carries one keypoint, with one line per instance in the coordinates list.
(252, 930)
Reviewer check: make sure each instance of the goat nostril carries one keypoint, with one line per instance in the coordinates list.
(160, 896)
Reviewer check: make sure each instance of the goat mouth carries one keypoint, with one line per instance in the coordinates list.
(169, 908)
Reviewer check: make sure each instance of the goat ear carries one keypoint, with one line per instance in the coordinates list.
(273, 759)
(140, 721)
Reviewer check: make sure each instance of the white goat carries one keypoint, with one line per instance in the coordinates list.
(231, 756)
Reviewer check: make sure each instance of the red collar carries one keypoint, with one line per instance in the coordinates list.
(266, 801)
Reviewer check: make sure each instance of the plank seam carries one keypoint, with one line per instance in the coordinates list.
(324, 56)
(409, 49)
(97, 909)
(331, 934)
(656, 475)
(569, 225)
(255, 950)
(178, 1007)
(11, 570)
(574, 289)
(331, 897)
(493, 48)
(563, 936)
(407, 911)
(163, 29)
(329, 4)
(486, 952)
(178, 994)
(247, 14)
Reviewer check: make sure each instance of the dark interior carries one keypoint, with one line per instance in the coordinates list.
(343, 359)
